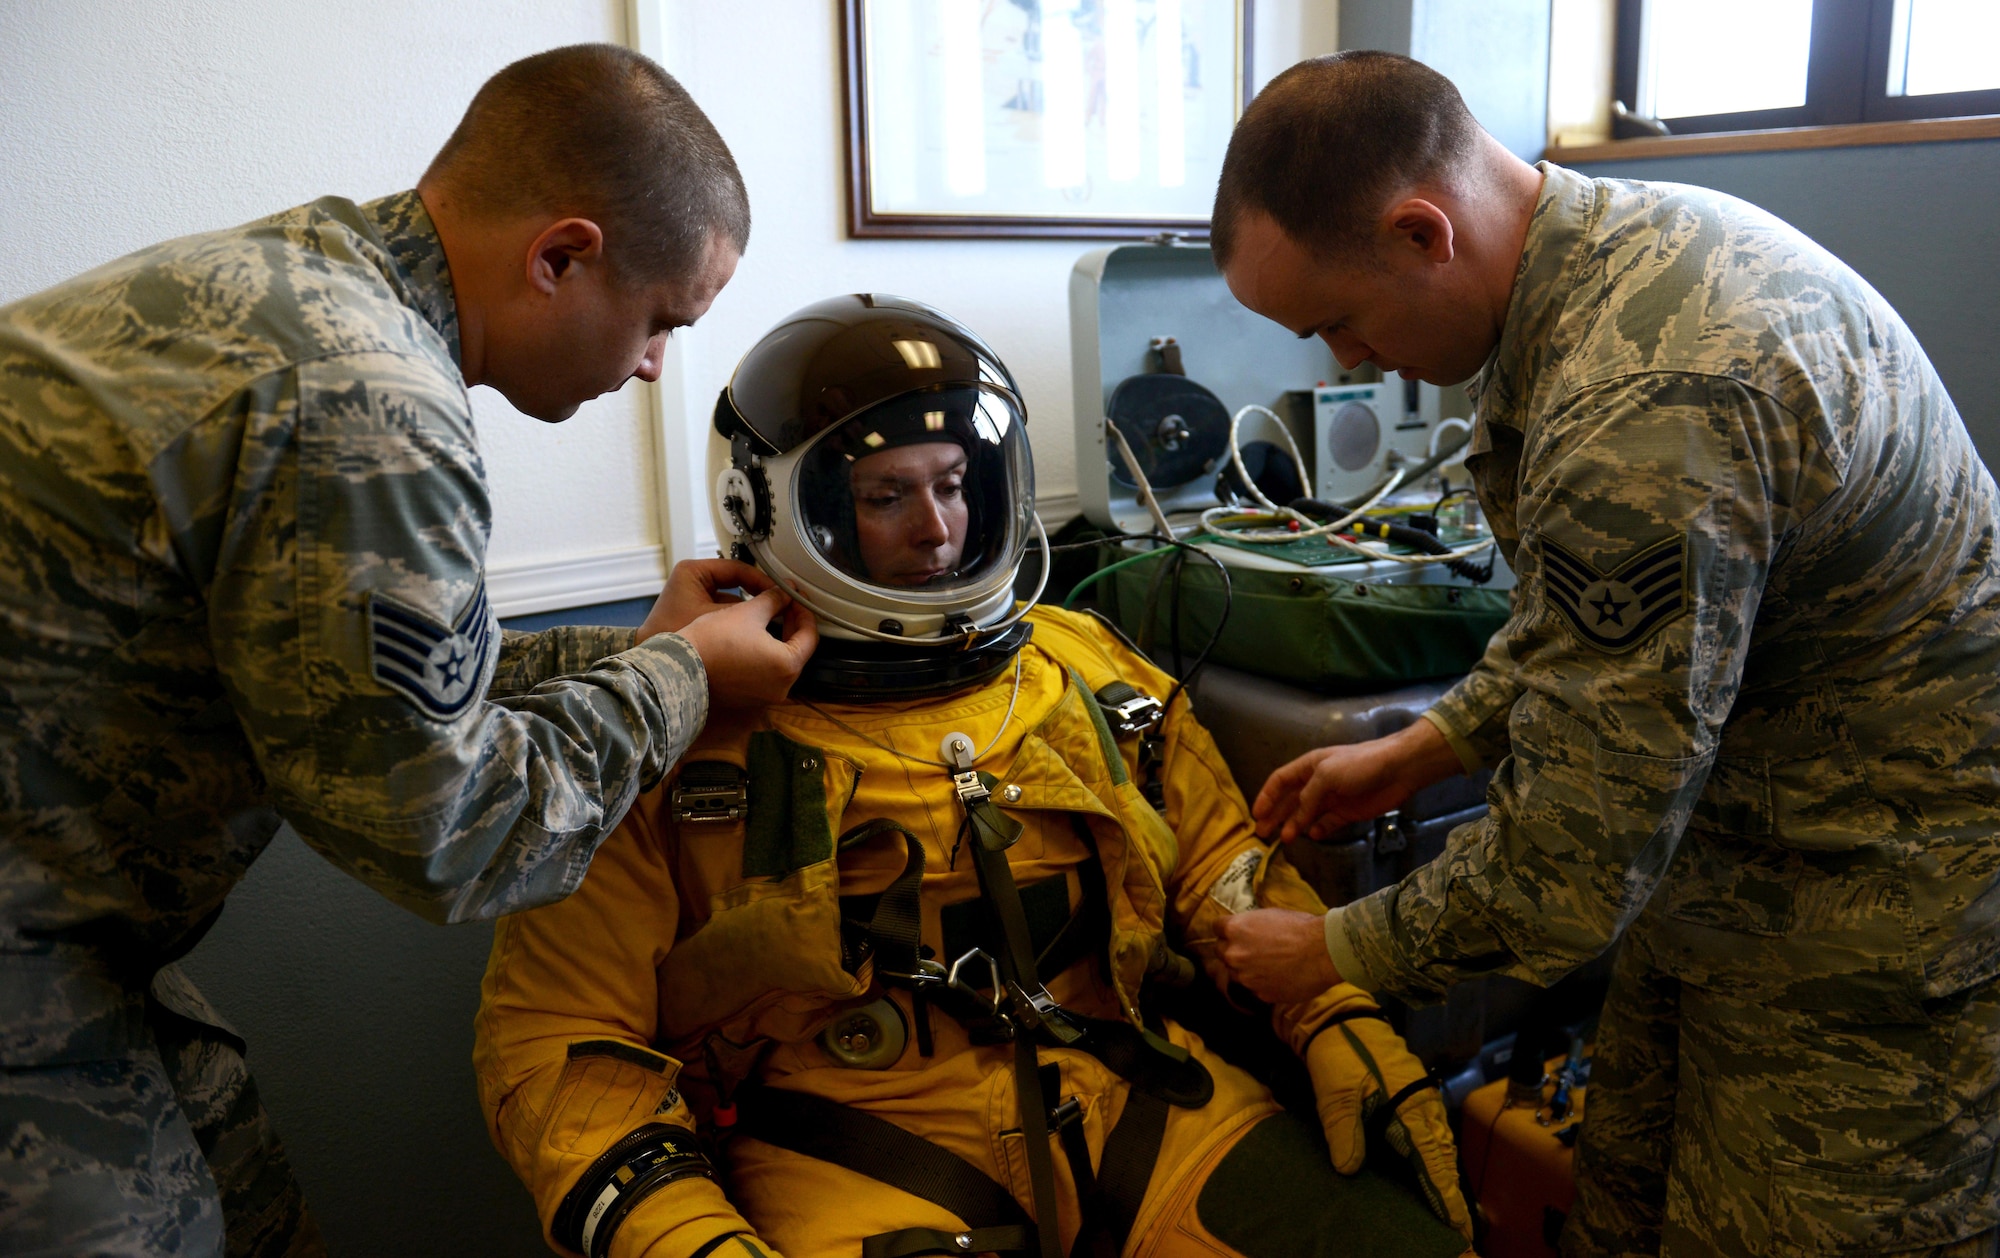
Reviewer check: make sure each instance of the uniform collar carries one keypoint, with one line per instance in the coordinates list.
(412, 243)
(1549, 258)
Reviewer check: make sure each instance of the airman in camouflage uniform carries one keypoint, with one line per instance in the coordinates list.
(243, 524)
(243, 521)
(1747, 716)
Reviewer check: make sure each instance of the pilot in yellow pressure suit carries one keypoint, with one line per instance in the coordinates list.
(870, 975)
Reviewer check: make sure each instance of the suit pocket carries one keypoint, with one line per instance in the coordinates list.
(606, 1090)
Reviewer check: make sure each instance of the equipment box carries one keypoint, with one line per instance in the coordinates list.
(1182, 391)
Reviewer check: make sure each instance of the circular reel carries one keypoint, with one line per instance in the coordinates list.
(1177, 428)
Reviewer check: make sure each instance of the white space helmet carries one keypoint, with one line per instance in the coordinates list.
(871, 455)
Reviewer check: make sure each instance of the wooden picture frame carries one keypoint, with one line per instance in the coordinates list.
(949, 106)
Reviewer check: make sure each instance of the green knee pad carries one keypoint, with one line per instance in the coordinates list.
(1276, 1195)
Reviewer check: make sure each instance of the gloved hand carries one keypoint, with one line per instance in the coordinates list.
(1363, 1075)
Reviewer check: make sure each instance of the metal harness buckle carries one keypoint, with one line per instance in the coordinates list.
(709, 791)
(1134, 715)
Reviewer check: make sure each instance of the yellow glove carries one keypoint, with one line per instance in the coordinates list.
(1363, 1073)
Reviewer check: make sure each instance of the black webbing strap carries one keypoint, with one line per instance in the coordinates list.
(1345, 1015)
(877, 1148)
(1430, 1079)
(895, 928)
(1122, 1175)
(914, 1241)
(1067, 1119)
(1150, 1063)
(1017, 968)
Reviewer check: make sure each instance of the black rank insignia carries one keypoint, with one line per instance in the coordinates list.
(1616, 611)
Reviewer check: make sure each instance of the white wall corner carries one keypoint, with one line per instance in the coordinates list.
(679, 424)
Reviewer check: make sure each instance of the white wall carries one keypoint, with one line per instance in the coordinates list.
(783, 121)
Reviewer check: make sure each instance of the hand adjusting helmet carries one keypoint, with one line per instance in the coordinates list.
(871, 455)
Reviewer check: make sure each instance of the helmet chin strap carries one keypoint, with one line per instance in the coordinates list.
(1041, 535)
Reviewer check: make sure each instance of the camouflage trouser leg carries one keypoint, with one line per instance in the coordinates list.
(1791, 1132)
(99, 1161)
(123, 1155)
(262, 1207)
(1621, 1157)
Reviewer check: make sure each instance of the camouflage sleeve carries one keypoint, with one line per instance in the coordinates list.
(1650, 509)
(529, 659)
(1472, 715)
(351, 627)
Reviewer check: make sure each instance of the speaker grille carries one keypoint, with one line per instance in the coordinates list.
(1353, 436)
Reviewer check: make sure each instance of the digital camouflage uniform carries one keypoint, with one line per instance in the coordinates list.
(243, 521)
(1747, 712)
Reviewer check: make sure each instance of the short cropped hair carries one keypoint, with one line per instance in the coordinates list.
(603, 133)
(1329, 141)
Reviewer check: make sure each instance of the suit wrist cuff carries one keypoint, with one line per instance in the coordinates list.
(1345, 959)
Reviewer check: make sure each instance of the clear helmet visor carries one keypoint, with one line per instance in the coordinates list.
(929, 493)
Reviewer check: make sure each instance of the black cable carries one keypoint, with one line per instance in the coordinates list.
(1402, 535)
(1449, 494)
(1181, 682)
(1157, 578)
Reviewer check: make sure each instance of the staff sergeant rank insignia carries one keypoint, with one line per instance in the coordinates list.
(436, 668)
(1618, 610)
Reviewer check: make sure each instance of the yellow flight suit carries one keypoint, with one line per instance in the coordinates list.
(697, 954)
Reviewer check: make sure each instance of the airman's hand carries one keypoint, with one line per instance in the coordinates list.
(746, 666)
(1279, 954)
(694, 589)
(1330, 787)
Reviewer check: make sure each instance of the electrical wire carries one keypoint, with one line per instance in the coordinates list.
(1110, 568)
(1165, 547)
(1437, 435)
(1300, 527)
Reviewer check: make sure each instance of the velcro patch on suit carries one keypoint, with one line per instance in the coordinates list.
(435, 667)
(1616, 611)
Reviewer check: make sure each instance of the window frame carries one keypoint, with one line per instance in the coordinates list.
(1847, 75)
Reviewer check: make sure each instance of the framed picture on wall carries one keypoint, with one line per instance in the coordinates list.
(1040, 118)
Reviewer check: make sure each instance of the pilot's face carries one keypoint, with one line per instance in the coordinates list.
(909, 511)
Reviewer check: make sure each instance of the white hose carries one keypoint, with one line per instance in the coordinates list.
(1437, 436)
(1304, 526)
(1147, 498)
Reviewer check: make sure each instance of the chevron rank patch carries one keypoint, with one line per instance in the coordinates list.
(436, 668)
(1616, 611)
